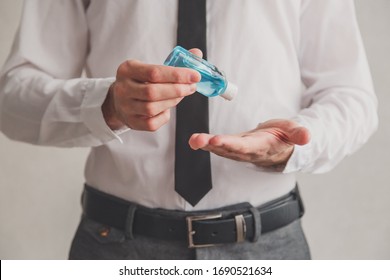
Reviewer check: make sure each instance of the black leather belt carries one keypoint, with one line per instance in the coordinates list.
(199, 229)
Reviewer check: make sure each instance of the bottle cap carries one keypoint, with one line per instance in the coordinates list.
(230, 92)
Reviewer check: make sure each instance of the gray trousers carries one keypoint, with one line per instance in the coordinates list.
(96, 241)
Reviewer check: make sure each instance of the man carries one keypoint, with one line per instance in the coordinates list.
(305, 102)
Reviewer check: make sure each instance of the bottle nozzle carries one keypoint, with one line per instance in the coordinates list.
(230, 92)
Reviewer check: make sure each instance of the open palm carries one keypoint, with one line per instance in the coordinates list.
(270, 143)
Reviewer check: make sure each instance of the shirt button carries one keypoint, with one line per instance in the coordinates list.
(103, 232)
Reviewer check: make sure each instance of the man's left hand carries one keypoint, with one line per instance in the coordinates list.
(270, 144)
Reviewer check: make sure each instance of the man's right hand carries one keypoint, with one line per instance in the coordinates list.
(143, 94)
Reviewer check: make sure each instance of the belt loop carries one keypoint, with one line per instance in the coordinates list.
(300, 201)
(256, 223)
(129, 221)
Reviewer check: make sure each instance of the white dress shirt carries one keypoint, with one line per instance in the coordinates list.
(297, 59)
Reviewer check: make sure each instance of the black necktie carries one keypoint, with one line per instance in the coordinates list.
(192, 168)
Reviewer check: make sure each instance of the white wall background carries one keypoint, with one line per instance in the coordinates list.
(347, 210)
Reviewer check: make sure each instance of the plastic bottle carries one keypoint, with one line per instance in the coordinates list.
(212, 83)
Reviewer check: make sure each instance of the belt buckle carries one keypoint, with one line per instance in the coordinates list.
(191, 232)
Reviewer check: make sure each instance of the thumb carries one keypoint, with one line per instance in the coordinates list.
(196, 52)
(288, 130)
(299, 135)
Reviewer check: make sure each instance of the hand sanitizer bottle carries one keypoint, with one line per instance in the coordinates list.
(213, 82)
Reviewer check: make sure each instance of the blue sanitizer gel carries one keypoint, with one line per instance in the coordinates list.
(213, 82)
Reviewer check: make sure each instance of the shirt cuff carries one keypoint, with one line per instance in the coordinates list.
(95, 92)
(298, 159)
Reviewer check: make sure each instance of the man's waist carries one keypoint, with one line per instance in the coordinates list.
(234, 223)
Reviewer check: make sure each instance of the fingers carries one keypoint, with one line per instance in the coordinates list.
(149, 100)
(150, 73)
(137, 122)
(199, 140)
(151, 109)
(144, 115)
(227, 146)
(229, 143)
(159, 92)
(143, 94)
(271, 143)
(240, 145)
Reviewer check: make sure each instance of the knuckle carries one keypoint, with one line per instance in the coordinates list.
(117, 89)
(154, 74)
(260, 154)
(151, 124)
(122, 70)
(244, 151)
(179, 90)
(176, 75)
(125, 67)
(149, 109)
(150, 92)
(247, 151)
(131, 63)
(253, 157)
(128, 120)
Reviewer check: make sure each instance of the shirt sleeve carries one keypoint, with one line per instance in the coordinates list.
(339, 104)
(43, 100)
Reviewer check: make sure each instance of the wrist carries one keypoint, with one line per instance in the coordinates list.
(109, 112)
